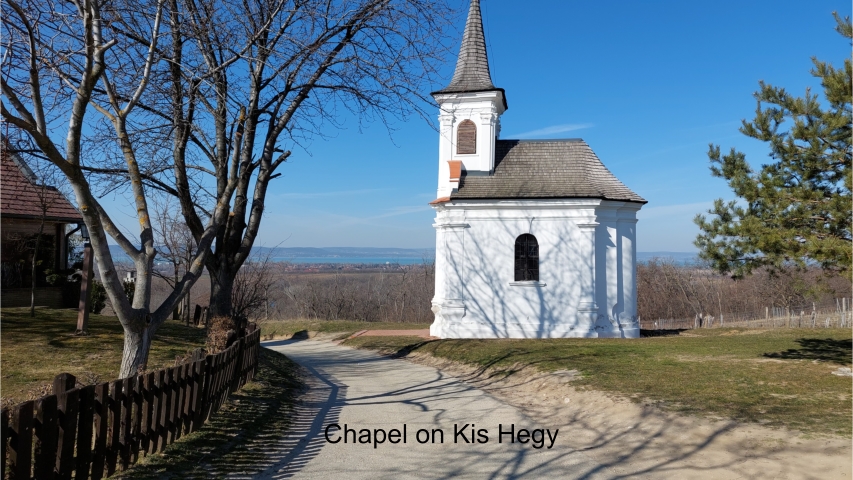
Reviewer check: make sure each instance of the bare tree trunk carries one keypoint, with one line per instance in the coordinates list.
(221, 289)
(137, 343)
(35, 258)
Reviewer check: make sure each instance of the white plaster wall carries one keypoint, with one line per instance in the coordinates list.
(587, 277)
(482, 108)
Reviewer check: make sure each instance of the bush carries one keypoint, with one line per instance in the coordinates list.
(220, 331)
(98, 297)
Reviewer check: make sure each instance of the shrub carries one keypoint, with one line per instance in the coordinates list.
(219, 331)
(98, 298)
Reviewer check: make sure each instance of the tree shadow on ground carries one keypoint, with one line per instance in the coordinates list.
(823, 349)
(403, 352)
(662, 333)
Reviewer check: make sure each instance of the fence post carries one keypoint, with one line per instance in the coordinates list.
(166, 409)
(67, 409)
(63, 382)
(199, 395)
(45, 433)
(155, 441)
(238, 365)
(148, 407)
(4, 437)
(209, 370)
(174, 404)
(138, 413)
(189, 368)
(84, 431)
(181, 400)
(125, 439)
(113, 445)
(21, 441)
(99, 450)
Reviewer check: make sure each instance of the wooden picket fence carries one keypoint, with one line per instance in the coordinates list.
(94, 431)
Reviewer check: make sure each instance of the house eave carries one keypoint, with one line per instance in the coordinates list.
(20, 216)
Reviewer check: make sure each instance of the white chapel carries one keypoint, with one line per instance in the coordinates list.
(534, 238)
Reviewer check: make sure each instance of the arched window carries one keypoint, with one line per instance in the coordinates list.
(466, 138)
(526, 258)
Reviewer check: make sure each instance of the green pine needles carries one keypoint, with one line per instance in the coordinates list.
(797, 210)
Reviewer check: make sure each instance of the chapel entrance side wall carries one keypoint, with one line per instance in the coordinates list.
(587, 271)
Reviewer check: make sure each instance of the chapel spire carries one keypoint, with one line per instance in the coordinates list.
(472, 66)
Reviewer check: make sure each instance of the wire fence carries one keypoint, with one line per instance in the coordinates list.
(833, 314)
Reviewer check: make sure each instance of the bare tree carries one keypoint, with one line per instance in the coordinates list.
(286, 71)
(63, 60)
(194, 100)
(669, 290)
(252, 285)
(178, 247)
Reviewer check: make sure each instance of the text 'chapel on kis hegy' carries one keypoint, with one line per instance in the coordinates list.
(534, 238)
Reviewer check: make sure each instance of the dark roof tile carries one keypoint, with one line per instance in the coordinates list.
(20, 195)
(545, 169)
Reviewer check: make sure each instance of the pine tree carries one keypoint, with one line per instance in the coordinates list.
(795, 211)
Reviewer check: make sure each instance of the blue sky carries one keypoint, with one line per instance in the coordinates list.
(647, 84)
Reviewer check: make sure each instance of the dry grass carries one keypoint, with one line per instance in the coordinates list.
(272, 329)
(779, 377)
(34, 350)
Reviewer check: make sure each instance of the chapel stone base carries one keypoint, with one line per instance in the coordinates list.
(452, 320)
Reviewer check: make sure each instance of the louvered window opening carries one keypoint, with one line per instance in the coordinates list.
(526, 258)
(466, 138)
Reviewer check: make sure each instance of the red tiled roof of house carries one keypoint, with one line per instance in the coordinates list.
(19, 197)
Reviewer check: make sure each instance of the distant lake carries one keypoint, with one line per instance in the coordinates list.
(369, 260)
(381, 256)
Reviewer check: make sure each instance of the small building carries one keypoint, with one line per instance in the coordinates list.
(23, 203)
(534, 238)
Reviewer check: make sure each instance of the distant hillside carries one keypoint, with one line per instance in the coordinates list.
(350, 252)
(324, 254)
(680, 257)
(374, 254)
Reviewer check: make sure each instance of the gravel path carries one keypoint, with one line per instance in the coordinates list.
(363, 390)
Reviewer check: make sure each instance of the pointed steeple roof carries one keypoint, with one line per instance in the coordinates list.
(472, 66)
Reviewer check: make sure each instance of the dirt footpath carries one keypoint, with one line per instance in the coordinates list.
(637, 441)
(406, 421)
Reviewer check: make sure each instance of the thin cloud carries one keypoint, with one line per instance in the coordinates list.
(326, 217)
(671, 211)
(404, 210)
(552, 130)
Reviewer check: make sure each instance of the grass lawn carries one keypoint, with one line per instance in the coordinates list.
(777, 377)
(34, 350)
(239, 436)
(285, 328)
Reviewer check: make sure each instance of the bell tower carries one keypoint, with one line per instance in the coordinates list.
(471, 107)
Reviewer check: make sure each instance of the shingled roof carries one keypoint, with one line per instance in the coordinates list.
(19, 194)
(545, 169)
(472, 66)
